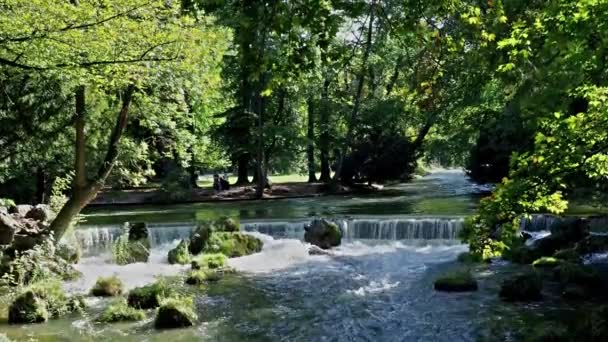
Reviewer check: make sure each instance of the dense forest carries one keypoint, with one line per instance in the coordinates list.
(121, 95)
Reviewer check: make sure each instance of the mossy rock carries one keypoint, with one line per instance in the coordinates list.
(521, 254)
(199, 237)
(523, 287)
(233, 244)
(149, 296)
(107, 287)
(121, 312)
(226, 224)
(468, 258)
(126, 252)
(175, 313)
(42, 301)
(323, 233)
(209, 261)
(459, 281)
(547, 262)
(180, 254)
(28, 308)
(199, 277)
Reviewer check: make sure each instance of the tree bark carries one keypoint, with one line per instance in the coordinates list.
(261, 181)
(312, 177)
(83, 195)
(80, 179)
(324, 136)
(242, 169)
(359, 93)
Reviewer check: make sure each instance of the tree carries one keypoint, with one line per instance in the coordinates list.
(119, 49)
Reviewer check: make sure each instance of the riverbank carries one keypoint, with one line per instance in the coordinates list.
(236, 193)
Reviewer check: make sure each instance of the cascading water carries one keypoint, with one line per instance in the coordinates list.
(94, 239)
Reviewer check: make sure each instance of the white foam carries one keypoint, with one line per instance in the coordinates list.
(132, 275)
(374, 287)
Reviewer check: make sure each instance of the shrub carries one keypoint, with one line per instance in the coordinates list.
(42, 301)
(107, 287)
(121, 312)
(126, 252)
(198, 277)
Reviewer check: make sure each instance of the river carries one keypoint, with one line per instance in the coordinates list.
(376, 287)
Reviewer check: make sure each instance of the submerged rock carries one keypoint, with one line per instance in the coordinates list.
(180, 254)
(315, 250)
(523, 287)
(323, 233)
(459, 281)
(175, 313)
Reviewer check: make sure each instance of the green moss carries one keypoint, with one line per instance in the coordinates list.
(226, 224)
(121, 312)
(175, 313)
(199, 277)
(209, 261)
(180, 254)
(547, 262)
(107, 287)
(468, 258)
(42, 301)
(125, 251)
(233, 244)
(149, 296)
(458, 281)
(522, 287)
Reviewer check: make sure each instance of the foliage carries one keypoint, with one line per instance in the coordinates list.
(7, 202)
(36, 265)
(233, 244)
(209, 261)
(180, 254)
(202, 276)
(107, 287)
(121, 312)
(41, 301)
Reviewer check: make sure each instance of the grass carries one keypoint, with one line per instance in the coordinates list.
(121, 312)
(107, 287)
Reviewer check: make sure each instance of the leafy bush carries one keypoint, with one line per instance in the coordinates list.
(180, 254)
(41, 301)
(126, 252)
(209, 261)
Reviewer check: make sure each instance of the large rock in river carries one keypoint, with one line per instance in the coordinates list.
(199, 238)
(41, 212)
(323, 233)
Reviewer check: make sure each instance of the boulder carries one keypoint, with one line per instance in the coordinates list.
(41, 213)
(576, 274)
(233, 245)
(8, 229)
(21, 210)
(138, 231)
(175, 313)
(180, 254)
(523, 287)
(592, 244)
(571, 230)
(226, 224)
(42, 301)
(315, 250)
(149, 296)
(199, 238)
(69, 251)
(459, 281)
(323, 233)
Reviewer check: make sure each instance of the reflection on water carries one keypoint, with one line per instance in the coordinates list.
(446, 192)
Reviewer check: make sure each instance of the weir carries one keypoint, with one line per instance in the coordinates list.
(95, 238)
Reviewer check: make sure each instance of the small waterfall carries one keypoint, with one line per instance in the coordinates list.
(93, 239)
(544, 222)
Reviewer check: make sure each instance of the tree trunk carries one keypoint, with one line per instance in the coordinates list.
(359, 93)
(80, 179)
(242, 169)
(83, 194)
(41, 185)
(312, 177)
(261, 181)
(324, 136)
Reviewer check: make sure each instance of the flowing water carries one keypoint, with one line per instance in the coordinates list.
(377, 286)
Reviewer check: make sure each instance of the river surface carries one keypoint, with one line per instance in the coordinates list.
(377, 286)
